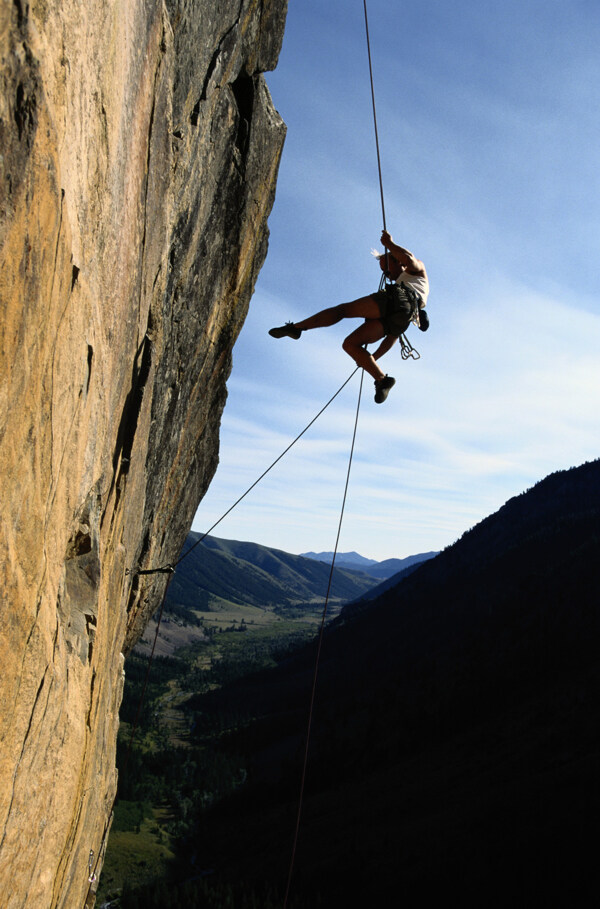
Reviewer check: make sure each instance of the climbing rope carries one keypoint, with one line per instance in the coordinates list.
(407, 351)
(169, 569)
(318, 655)
(374, 113)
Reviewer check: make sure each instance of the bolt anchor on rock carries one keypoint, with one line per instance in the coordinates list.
(91, 874)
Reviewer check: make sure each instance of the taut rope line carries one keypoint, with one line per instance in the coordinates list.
(168, 569)
(318, 655)
(374, 114)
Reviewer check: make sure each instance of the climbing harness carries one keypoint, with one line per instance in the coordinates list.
(407, 351)
(412, 298)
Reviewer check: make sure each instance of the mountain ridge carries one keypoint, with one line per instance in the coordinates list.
(353, 558)
(383, 570)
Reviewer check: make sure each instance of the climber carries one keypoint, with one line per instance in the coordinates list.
(387, 313)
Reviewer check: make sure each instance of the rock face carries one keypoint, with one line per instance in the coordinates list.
(139, 151)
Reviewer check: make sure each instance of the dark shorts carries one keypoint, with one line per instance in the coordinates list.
(395, 307)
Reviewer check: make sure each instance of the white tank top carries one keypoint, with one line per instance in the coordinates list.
(420, 284)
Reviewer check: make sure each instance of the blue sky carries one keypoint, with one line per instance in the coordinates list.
(488, 119)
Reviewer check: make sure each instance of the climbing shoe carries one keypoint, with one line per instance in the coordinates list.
(382, 388)
(288, 330)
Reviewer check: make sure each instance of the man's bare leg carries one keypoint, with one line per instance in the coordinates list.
(367, 333)
(363, 308)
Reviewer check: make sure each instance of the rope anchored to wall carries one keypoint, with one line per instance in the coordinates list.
(170, 570)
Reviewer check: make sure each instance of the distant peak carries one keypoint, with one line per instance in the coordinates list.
(346, 558)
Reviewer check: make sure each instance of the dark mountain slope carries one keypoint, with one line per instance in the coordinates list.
(456, 734)
(389, 567)
(390, 581)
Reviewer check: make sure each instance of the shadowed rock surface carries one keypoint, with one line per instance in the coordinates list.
(139, 155)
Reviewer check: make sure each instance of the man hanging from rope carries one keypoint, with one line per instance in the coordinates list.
(387, 313)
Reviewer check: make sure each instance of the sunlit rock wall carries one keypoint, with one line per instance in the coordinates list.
(138, 157)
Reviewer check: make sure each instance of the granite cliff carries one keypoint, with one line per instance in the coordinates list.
(139, 150)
